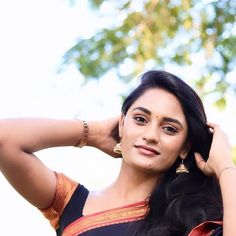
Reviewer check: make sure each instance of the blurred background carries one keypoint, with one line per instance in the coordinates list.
(67, 58)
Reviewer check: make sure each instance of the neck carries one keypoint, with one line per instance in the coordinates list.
(133, 185)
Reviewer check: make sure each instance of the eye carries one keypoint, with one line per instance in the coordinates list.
(140, 120)
(170, 130)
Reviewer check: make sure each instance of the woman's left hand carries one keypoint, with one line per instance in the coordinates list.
(219, 155)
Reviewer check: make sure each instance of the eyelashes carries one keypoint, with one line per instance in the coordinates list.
(140, 120)
(168, 129)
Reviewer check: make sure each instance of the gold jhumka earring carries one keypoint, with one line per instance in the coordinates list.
(117, 148)
(182, 168)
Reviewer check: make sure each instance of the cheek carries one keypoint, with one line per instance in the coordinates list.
(173, 145)
(130, 131)
(127, 141)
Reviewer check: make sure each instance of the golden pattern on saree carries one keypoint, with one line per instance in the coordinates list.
(132, 212)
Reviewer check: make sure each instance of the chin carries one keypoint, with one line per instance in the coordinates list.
(150, 170)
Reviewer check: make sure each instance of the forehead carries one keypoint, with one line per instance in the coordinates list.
(160, 103)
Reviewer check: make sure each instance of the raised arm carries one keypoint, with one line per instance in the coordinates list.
(221, 164)
(21, 138)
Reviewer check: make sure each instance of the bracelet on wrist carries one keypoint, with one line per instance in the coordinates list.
(226, 168)
(84, 136)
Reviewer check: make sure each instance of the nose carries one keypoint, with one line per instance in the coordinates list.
(151, 134)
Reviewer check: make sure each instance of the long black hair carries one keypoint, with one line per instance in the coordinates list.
(180, 202)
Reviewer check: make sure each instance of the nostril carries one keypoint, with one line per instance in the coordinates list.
(150, 140)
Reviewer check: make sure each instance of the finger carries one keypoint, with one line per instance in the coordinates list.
(212, 124)
(211, 130)
(202, 165)
(215, 127)
(199, 161)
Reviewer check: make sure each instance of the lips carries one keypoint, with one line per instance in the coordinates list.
(147, 149)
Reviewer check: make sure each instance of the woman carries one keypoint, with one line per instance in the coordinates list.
(170, 182)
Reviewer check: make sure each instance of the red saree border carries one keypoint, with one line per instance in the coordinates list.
(128, 213)
(205, 228)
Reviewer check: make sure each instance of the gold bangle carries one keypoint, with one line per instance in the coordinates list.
(226, 168)
(84, 136)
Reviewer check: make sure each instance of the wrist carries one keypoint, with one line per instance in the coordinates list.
(219, 167)
(226, 169)
(94, 134)
(84, 135)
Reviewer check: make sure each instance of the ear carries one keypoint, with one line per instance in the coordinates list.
(121, 124)
(183, 154)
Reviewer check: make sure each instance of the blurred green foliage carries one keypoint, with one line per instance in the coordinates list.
(149, 34)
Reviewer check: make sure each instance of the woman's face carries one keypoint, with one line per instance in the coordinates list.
(153, 132)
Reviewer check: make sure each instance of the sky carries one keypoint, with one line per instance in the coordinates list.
(34, 37)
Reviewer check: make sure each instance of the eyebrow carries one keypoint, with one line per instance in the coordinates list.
(169, 119)
(143, 109)
(165, 119)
